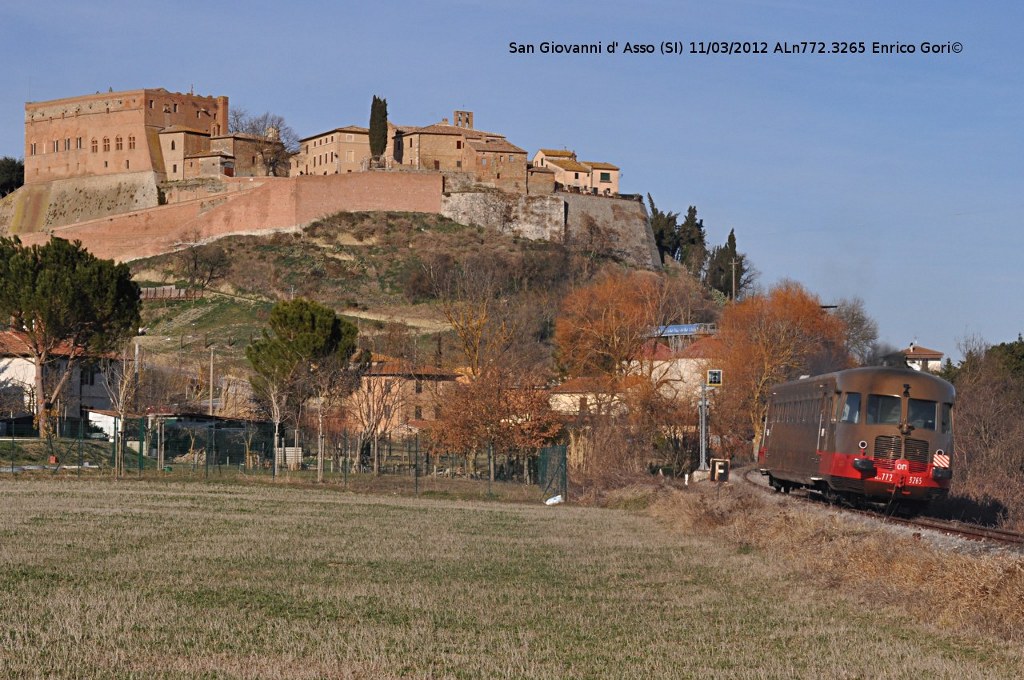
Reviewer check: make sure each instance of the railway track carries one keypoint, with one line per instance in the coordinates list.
(965, 530)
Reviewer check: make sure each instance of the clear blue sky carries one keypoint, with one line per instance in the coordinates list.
(896, 178)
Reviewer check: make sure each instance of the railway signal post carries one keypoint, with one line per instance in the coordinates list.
(714, 380)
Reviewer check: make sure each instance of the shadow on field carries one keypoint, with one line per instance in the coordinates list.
(986, 512)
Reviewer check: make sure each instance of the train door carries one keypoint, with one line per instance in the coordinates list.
(826, 432)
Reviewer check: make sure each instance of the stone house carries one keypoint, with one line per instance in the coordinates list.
(395, 395)
(337, 151)
(487, 157)
(590, 177)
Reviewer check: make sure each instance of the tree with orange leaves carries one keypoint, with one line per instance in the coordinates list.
(768, 339)
(604, 326)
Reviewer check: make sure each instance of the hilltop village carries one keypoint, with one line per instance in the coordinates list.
(130, 173)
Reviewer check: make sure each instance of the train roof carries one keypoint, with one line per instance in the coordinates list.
(878, 380)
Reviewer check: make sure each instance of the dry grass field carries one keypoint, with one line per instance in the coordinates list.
(184, 579)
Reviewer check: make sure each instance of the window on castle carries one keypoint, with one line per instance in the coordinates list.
(175, 108)
(56, 145)
(106, 144)
(458, 143)
(95, 146)
(32, 149)
(127, 165)
(458, 164)
(131, 142)
(78, 143)
(174, 168)
(172, 145)
(151, 103)
(118, 144)
(67, 144)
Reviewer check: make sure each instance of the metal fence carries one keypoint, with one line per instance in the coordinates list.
(168, 445)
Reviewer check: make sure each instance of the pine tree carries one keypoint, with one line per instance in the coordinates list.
(665, 226)
(693, 250)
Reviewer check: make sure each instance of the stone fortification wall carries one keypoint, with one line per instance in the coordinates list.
(275, 204)
(532, 217)
(616, 227)
(54, 204)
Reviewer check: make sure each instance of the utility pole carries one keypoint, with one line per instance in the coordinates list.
(733, 263)
(211, 380)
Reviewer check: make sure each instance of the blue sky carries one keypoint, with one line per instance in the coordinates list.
(895, 178)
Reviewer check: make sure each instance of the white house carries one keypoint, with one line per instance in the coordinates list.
(84, 390)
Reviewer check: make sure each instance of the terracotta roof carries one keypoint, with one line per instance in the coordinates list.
(501, 146)
(568, 164)
(182, 128)
(404, 368)
(705, 348)
(537, 168)
(656, 351)
(923, 353)
(442, 129)
(348, 128)
(601, 166)
(564, 153)
(15, 344)
(210, 154)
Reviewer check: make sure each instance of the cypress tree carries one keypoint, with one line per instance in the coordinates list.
(378, 126)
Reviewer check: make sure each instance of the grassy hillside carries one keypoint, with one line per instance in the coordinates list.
(370, 267)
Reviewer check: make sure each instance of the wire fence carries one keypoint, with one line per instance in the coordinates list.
(155, 446)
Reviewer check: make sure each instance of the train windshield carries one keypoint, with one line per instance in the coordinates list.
(947, 420)
(921, 413)
(851, 408)
(884, 410)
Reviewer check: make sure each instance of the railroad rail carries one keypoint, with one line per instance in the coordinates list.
(966, 530)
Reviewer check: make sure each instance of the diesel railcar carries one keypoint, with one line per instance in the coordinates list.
(874, 434)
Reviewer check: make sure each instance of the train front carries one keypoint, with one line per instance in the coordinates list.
(905, 440)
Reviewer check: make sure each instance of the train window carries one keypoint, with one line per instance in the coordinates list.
(851, 408)
(921, 413)
(947, 420)
(883, 409)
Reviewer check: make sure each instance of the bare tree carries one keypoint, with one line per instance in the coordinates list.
(329, 380)
(861, 329)
(200, 265)
(121, 382)
(275, 141)
(376, 406)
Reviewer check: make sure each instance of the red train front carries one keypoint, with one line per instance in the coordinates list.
(880, 434)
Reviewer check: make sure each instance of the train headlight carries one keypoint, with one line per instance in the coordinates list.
(865, 465)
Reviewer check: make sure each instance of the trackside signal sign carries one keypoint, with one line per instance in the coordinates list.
(715, 377)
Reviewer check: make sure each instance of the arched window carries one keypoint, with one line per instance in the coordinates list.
(94, 145)
(131, 142)
(106, 143)
(172, 145)
(118, 145)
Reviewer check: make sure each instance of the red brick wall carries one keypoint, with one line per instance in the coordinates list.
(273, 204)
